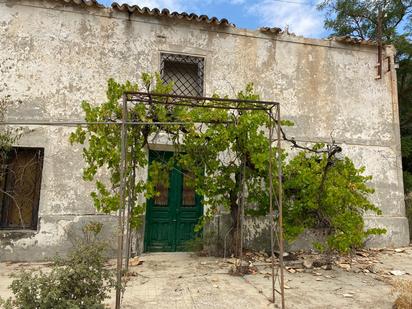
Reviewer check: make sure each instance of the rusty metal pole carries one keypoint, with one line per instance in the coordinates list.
(272, 223)
(128, 234)
(280, 205)
(122, 202)
(242, 211)
(130, 202)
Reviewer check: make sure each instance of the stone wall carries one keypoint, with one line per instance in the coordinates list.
(53, 55)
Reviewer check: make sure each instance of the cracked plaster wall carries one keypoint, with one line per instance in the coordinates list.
(53, 56)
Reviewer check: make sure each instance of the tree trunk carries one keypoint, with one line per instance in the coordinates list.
(235, 232)
(234, 213)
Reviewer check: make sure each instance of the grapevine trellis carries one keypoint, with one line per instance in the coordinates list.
(275, 134)
(276, 226)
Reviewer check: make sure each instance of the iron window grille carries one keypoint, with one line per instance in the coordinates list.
(186, 73)
(20, 181)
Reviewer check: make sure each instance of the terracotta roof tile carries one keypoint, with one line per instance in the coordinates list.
(85, 2)
(270, 30)
(134, 9)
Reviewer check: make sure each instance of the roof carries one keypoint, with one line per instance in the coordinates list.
(85, 2)
(191, 17)
(271, 30)
(135, 9)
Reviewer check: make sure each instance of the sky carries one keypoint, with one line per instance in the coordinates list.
(299, 16)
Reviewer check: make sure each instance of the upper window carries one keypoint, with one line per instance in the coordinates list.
(20, 179)
(186, 73)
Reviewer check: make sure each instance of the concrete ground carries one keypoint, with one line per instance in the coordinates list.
(184, 280)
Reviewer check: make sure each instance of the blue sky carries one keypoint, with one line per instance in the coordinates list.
(300, 16)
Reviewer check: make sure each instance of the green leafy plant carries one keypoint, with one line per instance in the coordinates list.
(102, 146)
(229, 158)
(79, 281)
(325, 192)
(240, 133)
(227, 152)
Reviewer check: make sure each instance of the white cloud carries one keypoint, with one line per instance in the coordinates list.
(303, 20)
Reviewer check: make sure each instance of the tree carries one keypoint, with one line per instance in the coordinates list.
(241, 136)
(359, 18)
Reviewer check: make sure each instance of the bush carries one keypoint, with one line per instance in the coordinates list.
(79, 281)
(328, 193)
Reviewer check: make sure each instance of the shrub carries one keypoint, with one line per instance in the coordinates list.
(79, 281)
(328, 193)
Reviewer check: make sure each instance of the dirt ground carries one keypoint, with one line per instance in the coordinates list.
(184, 280)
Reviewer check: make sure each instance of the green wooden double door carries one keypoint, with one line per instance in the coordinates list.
(172, 215)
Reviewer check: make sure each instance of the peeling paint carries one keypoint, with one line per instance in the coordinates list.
(53, 57)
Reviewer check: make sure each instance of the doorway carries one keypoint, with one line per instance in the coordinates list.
(172, 215)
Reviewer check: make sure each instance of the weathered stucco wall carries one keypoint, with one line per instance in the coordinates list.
(54, 55)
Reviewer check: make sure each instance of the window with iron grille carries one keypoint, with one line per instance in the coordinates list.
(186, 73)
(20, 180)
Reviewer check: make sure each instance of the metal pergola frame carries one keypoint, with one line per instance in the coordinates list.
(273, 111)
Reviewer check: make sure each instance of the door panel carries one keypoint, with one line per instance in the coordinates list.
(169, 226)
(159, 227)
(159, 236)
(189, 211)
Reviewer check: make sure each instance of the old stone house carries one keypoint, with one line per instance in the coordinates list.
(54, 54)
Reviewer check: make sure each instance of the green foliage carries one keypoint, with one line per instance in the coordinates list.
(408, 208)
(359, 18)
(79, 281)
(407, 158)
(239, 134)
(102, 145)
(227, 151)
(407, 181)
(406, 146)
(327, 193)
(220, 153)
